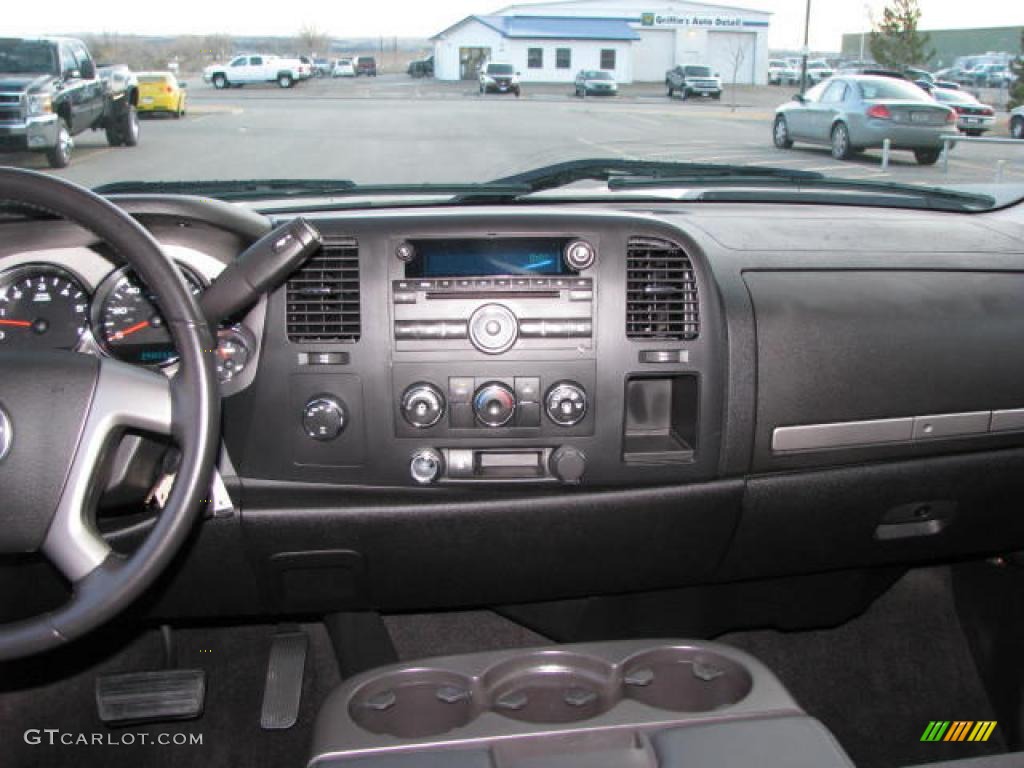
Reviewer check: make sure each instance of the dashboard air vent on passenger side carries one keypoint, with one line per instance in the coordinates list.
(323, 295)
(661, 291)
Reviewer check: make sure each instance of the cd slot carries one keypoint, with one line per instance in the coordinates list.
(492, 295)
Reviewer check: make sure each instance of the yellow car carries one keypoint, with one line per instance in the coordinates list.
(161, 92)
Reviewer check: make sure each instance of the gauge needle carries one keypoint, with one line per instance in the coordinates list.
(17, 323)
(131, 329)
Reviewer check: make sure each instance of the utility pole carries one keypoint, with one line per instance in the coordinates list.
(803, 60)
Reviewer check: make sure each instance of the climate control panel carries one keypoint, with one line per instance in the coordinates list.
(506, 400)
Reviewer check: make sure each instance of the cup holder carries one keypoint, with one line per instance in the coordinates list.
(551, 687)
(414, 703)
(685, 680)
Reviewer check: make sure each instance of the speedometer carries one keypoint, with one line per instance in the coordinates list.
(41, 307)
(127, 320)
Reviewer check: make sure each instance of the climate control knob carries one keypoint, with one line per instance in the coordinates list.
(566, 403)
(494, 403)
(422, 405)
(324, 417)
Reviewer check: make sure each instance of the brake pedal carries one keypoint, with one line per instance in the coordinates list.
(283, 691)
(146, 697)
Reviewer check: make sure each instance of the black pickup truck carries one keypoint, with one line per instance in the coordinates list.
(51, 90)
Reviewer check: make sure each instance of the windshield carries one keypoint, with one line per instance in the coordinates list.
(397, 94)
(953, 97)
(876, 89)
(22, 57)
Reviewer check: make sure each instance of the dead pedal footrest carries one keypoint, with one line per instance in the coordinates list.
(141, 697)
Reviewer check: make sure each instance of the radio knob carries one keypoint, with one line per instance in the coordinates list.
(568, 464)
(324, 418)
(580, 255)
(566, 403)
(494, 403)
(426, 466)
(422, 405)
(493, 329)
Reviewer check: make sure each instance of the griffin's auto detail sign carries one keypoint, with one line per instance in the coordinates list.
(696, 20)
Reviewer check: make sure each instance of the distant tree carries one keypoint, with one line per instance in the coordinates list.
(737, 53)
(1017, 87)
(895, 41)
(312, 40)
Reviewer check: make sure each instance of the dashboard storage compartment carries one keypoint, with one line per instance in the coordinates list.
(661, 419)
(524, 703)
(685, 679)
(414, 703)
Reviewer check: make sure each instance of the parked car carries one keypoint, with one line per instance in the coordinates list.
(956, 75)
(365, 65)
(256, 68)
(990, 76)
(321, 67)
(818, 70)
(595, 82)
(781, 73)
(499, 78)
(972, 117)
(855, 112)
(51, 91)
(344, 68)
(1017, 123)
(421, 67)
(693, 80)
(162, 92)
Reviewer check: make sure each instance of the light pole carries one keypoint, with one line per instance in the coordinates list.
(803, 61)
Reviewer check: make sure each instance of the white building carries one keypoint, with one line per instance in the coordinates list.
(635, 40)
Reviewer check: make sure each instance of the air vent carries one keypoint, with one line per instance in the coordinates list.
(661, 299)
(323, 295)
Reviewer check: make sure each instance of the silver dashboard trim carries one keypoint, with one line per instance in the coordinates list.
(905, 429)
(812, 437)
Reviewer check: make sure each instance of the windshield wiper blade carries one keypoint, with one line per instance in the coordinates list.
(615, 169)
(230, 189)
(940, 196)
(277, 189)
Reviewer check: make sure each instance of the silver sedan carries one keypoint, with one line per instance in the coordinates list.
(857, 112)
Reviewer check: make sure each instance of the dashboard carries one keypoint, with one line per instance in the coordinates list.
(541, 402)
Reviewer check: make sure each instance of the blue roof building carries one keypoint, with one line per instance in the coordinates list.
(634, 40)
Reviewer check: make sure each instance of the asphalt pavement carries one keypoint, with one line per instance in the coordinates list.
(395, 129)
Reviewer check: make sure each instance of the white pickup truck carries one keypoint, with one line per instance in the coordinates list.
(257, 68)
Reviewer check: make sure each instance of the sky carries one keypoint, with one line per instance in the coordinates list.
(423, 18)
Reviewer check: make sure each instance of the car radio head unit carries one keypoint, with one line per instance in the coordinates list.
(464, 257)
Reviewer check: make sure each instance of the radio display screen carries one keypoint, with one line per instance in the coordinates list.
(483, 258)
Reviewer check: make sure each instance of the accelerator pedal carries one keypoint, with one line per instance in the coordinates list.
(283, 690)
(148, 697)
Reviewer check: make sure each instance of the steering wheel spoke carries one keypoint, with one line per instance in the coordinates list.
(125, 397)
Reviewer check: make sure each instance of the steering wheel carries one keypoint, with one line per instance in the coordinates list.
(60, 412)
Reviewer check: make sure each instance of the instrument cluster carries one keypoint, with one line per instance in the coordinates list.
(45, 305)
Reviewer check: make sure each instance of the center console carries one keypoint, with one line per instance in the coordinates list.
(491, 347)
(628, 704)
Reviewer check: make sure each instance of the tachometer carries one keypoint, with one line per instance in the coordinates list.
(41, 307)
(127, 322)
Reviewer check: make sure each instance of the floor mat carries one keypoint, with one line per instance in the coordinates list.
(235, 660)
(878, 680)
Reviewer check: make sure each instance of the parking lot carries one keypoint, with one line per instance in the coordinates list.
(395, 129)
